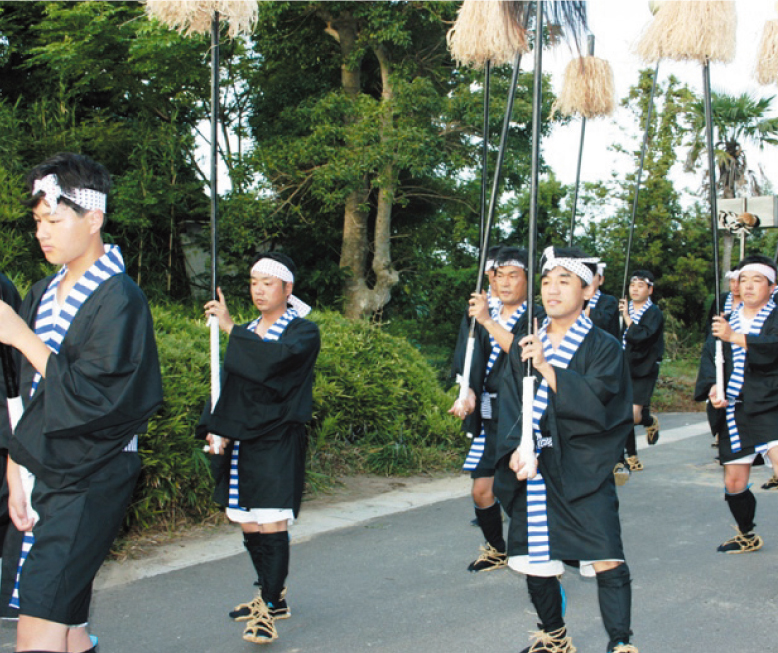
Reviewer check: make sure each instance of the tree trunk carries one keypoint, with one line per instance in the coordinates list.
(360, 298)
(353, 252)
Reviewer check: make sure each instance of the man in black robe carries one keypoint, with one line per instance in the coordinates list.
(643, 340)
(568, 510)
(265, 401)
(496, 328)
(603, 309)
(746, 417)
(90, 380)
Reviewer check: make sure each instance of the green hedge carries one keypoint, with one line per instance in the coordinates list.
(377, 408)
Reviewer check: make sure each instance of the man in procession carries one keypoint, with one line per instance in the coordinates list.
(581, 414)
(90, 380)
(746, 410)
(266, 399)
(495, 331)
(644, 344)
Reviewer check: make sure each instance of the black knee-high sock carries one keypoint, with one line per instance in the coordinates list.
(490, 521)
(743, 508)
(632, 446)
(253, 544)
(645, 417)
(275, 565)
(546, 596)
(615, 595)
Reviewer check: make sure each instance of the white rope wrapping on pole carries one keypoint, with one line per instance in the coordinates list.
(529, 468)
(213, 323)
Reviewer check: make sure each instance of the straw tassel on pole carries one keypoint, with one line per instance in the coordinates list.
(767, 59)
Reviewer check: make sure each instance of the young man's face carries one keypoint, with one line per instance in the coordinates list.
(64, 235)
(563, 294)
(510, 282)
(268, 293)
(755, 289)
(639, 290)
(734, 285)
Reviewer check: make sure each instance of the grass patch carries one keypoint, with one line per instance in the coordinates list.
(674, 391)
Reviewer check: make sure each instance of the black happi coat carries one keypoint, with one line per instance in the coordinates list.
(606, 315)
(646, 343)
(757, 415)
(266, 398)
(482, 350)
(99, 391)
(587, 420)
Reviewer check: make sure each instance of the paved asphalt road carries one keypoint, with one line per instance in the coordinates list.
(398, 583)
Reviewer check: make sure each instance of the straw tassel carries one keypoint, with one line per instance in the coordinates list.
(696, 31)
(767, 60)
(486, 30)
(194, 16)
(587, 89)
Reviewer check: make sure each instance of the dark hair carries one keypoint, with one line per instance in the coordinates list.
(511, 254)
(72, 171)
(571, 252)
(643, 274)
(760, 259)
(494, 251)
(277, 256)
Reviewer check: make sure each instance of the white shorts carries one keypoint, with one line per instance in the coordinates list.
(750, 458)
(261, 515)
(523, 565)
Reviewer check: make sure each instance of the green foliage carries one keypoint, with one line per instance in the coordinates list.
(378, 406)
(175, 483)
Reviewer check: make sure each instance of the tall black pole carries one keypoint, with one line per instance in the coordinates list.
(714, 213)
(485, 150)
(214, 147)
(537, 97)
(714, 224)
(590, 44)
(639, 177)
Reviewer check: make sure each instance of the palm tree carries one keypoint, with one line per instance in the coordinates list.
(736, 122)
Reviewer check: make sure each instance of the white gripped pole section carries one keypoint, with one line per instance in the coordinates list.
(213, 323)
(464, 380)
(719, 360)
(527, 444)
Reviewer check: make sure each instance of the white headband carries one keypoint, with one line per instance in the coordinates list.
(86, 198)
(512, 261)
(273, 268)
(731, 275)
(489, 265)
(648, 282)
(574, 265)
(601, 268)
(760, 268)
